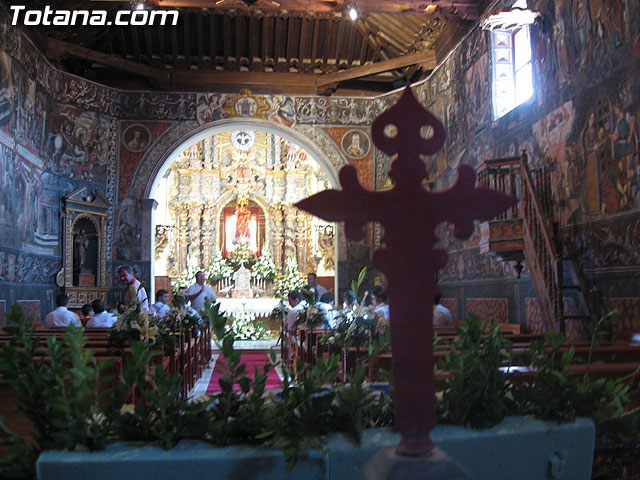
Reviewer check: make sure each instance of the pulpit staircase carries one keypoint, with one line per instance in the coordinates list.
(528, 231)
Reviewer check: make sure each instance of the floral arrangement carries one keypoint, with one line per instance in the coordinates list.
(312, 316)
(180, 319)
(265, 267)
(241, 255)
(218, 268)
(243, 326)
(358, 326)
(280, 311)
(134, 324)
(186, 280)
(291, 279)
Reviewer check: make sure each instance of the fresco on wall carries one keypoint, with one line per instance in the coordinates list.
(47, 149)
(477, 92)
(593, 156)
(20, 190)
(77, 144)
(155, 105)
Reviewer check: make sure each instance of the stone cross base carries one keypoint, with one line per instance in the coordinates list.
(435, 465)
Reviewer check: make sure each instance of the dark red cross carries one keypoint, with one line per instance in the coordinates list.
(409, 215)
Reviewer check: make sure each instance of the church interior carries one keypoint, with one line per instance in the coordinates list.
(185, 147)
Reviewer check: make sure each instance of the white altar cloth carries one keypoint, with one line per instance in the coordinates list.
(261, 307)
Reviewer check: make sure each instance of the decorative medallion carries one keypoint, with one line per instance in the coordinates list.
(243, 140)
(136, 137)
(355, 143)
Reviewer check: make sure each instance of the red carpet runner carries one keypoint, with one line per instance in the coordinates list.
(250, 359)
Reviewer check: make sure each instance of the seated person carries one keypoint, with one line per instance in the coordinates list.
(326, 304)
(379, 299)
(61, 316)
(101, 317)
(86, 314)
(441, 314)
(312, 279)
(297, 303)
(161, 307)
(348, 299)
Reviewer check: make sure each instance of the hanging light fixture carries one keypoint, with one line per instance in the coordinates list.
(353, 11)
(138, 4)
(505, 18)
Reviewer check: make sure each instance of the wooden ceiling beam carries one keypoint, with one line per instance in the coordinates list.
(58, 48)
(465, 9)
(207, 80)
(428, 59)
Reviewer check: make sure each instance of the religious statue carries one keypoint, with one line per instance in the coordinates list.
(243, 216)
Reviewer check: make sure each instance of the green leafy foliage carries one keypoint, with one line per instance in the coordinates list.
(61, 388)
(553, 395)
(475, 394)
(76, 402)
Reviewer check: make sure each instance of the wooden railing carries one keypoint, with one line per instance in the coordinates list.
(541, 254)
(502, 174)
(533, 187)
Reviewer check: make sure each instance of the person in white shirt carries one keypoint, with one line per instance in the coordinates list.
(379, 299)
(161, 307)
(441, 314)
(312, 279)
(101, 318)
(134, 293)
(61, 316)
(297, 303)
(326, 303)
(199, 293)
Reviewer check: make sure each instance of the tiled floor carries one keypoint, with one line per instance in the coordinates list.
(202, 384)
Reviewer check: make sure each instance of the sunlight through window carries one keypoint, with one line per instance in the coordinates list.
(512, 67)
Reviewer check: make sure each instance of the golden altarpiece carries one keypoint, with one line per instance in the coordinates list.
(83, 276)
(249, 180)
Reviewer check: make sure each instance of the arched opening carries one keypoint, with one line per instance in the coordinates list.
(230, 188)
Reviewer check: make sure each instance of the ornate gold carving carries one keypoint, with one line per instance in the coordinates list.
(163, 233)
(81, 207)
(269, 171)
(326, 242)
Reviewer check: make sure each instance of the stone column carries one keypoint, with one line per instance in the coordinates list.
(147, 207)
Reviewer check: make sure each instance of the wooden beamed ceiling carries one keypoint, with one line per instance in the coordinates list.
(268, 46)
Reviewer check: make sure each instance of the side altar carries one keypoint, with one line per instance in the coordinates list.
(83, 276)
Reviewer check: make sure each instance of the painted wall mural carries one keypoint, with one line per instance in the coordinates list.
(582, 124)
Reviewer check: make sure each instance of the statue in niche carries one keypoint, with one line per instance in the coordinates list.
(85, 254)
(81, 245)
